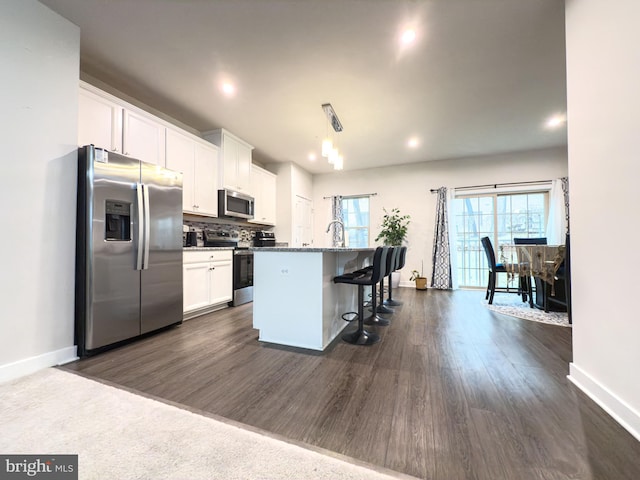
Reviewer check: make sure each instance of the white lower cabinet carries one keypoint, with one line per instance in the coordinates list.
(207, 278)
(195, 277)
(221, 286)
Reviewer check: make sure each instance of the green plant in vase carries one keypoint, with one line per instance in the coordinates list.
(419, 278)
(394, 227)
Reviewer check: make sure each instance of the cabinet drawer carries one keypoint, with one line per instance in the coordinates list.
(207, 256)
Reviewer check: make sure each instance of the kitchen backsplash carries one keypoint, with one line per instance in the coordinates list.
(242, 233)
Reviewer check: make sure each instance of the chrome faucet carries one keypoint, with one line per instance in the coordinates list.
(339, 222)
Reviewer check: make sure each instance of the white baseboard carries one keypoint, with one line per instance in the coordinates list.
(621, 411)
(30, 365)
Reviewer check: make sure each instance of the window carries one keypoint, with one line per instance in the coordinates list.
(499, 217)
(355, 212)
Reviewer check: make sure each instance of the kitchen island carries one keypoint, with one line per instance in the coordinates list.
(295, 301)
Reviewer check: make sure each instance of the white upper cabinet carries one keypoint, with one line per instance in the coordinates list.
(99, 121)
(229, 164)
(206, 179)
(179, 157)
(143, 138)
(263, 188)
(243, 165)
(235, 164)
(108, 122)
(198, 162)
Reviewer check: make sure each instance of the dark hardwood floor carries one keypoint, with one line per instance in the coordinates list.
(453, 391)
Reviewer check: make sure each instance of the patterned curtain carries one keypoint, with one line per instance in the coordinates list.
(565, 191)
(336, 214)
(441, 275)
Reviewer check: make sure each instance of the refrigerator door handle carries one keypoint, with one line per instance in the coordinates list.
(141, 223)
(147, 226)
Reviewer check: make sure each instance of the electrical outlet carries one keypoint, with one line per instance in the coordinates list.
(284, 271)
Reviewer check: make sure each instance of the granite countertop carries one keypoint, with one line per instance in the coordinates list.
(200, 249)
(310, 249)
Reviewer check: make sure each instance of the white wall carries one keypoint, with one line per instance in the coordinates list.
(39, 96)
(292, 181)
(603, 75)
(408, 188)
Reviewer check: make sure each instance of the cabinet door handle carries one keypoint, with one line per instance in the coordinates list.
(212, 268)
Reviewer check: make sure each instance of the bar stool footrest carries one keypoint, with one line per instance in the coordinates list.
(376, 320)
(354, 317)
(361, 337)
(392, 303)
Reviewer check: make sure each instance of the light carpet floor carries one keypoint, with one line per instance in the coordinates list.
(121, 435)
(512, 305)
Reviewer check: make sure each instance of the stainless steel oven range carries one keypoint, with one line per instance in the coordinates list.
(242, 276)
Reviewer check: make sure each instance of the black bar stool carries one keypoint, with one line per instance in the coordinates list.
(362, 278)
(399, 263)
(382, 308)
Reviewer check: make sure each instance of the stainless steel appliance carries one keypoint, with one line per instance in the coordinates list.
(235, 204)
(264, 239)
(218, 239)
(242, 276)
(128, 249)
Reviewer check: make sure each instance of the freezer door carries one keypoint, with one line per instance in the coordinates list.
(161, 286)
(113, 284)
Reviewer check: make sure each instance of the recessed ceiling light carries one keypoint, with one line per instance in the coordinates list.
(413, 142)
(228, 88)
(408, 36)
(312, 157)
(555, 121)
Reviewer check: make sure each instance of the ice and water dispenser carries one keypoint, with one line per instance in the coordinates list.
(117, 221)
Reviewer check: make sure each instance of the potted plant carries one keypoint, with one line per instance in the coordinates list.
(394, 228)
(419, 278)
(393, 233)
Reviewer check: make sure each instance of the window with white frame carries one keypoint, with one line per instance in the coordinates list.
(355, 213)
(501, 217)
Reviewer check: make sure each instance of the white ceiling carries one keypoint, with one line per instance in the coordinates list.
(482, 77)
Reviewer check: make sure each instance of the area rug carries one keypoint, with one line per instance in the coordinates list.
(120, 435)
(512, 305)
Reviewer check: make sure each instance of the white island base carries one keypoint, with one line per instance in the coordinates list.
(295, 301)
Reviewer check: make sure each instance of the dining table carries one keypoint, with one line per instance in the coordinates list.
(539, 261)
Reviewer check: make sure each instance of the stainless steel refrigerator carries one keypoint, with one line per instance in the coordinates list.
(128, 249)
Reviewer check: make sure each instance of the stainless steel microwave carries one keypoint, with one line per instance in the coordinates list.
(235, 204)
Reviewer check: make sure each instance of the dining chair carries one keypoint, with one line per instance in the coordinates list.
(494, 269)
(525, 283)
(562, 281)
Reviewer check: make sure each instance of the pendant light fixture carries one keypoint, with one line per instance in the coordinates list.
(329, 148)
